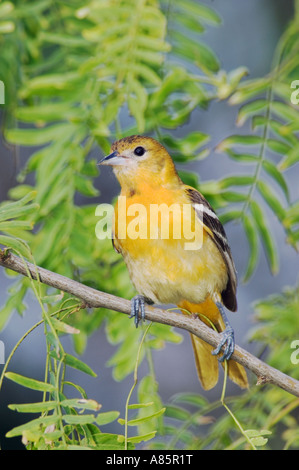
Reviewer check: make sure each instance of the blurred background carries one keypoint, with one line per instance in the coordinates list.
(247, 36)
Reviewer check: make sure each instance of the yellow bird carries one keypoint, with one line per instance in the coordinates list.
(164, 265)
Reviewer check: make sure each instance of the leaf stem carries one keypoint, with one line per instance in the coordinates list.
(229, 410)
(261, 156)
(134, 383)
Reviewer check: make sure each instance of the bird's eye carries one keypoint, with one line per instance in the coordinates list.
(139, 151)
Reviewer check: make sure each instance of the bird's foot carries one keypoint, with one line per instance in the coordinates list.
(228, 340)
(138, 305)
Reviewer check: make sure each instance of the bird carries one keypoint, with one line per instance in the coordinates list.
(199, 279)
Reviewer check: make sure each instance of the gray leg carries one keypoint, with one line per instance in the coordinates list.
(228, 337)
(137, 305)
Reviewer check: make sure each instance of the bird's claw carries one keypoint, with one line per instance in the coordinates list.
(228, 339)
(137, 305)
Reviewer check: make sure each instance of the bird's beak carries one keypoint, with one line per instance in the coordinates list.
(113, 159)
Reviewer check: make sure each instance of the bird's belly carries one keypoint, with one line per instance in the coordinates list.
(165, 272)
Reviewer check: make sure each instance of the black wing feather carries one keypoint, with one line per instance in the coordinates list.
(219, 237)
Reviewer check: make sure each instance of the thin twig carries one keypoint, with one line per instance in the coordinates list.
(97, 299)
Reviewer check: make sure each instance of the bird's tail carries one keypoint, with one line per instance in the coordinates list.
(207, 364)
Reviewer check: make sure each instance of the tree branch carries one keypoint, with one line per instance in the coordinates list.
(96, 299)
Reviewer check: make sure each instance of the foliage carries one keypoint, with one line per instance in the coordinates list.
(274, 122)
(271, 416)
(78, 74)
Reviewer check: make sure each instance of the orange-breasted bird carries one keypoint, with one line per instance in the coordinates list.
(200, 280)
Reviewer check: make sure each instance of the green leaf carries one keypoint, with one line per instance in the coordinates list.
(37, 136)
(140, 93)
(237, 180)
(199, 10)
(6, 27)
(236, 75)
(191, 23)
(249, 89)
(32, 8)
(122, 359)
(15, 224)
(137, 112)
(7, 211)
(27, 382)
(78, 364)
(33, 407)
(232, 196)
(291, 158)
(47, 83)
(282, 131)
(63, 39)
(79, 419)
(251, 234)
(174, 79)
(52, 299)
(145, 41)
(257, 437)
(189, 178)
(270, 248)
(259, 441)
(142, 438)
(272, 170)
(292, 215)
(188, 145)
(177, 412)
(271, 199)
(285, 111)
(135, 406)
(24, 200)
(78, 388)
(47, 112)
(6, 8)
(165, 333)
(81, 403)
(230, 215)
(278, 146)
(33, 425)
(20, 246)
(191, 399)
(138, 421)
(85, 186)
(64, 327)
(196, 52)
(250, 109)
(230, 142)
(74, 362)
(242, 157)
(103, 441)
(107, 417)
(12, 210)
(15, 302)
(145, 72)
(74, 447)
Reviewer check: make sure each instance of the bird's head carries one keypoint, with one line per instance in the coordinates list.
(138, 159)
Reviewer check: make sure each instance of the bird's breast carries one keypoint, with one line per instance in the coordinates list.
(169, 255)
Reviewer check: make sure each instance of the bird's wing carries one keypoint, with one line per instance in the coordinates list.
(115, 244)
(215, 230)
